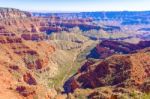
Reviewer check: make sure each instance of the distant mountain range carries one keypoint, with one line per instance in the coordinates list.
(113, 14)
(127, 17)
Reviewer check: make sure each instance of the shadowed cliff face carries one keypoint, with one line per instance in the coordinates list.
(109, 47)
(131, 70)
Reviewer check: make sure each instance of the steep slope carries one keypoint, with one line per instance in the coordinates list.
(110, 47)
(15, 22)
(13, 13)
(67, 36)
(129, 72)
(68, 46)
(34, 62)
(21, 61)
(68, 40)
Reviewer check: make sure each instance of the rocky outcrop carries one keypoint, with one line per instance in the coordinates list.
(26, 91)
(130, 70)
(33, 36)
(71, 37)
(114, 93)
(20, 60)
(32, 62)
(13, 13)
(109, 47)
(23, 22)
(7, 82)
(20, 25)
(29, 79)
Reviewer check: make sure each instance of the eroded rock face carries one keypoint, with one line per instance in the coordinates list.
(18, 58)
(21, 58)
(25, 91)
(24, 56)
(33, 37)
(118, 70)
(114, 93)
(7, 83)
(16, 21)
(109, 47)
(29, 79)
(13, 13)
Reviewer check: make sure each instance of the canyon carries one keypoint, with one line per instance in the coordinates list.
(129, 72)
(53, 56)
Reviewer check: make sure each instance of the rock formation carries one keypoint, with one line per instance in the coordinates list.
(34, 60)
(23, 56)
(13, 13)
(126, 71)
(109, 47)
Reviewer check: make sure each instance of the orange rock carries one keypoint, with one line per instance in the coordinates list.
(28, 78)
(130, 70)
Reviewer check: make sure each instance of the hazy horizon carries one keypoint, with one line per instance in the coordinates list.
(77, 5)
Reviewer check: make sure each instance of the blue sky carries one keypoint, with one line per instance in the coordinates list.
(77, 5)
